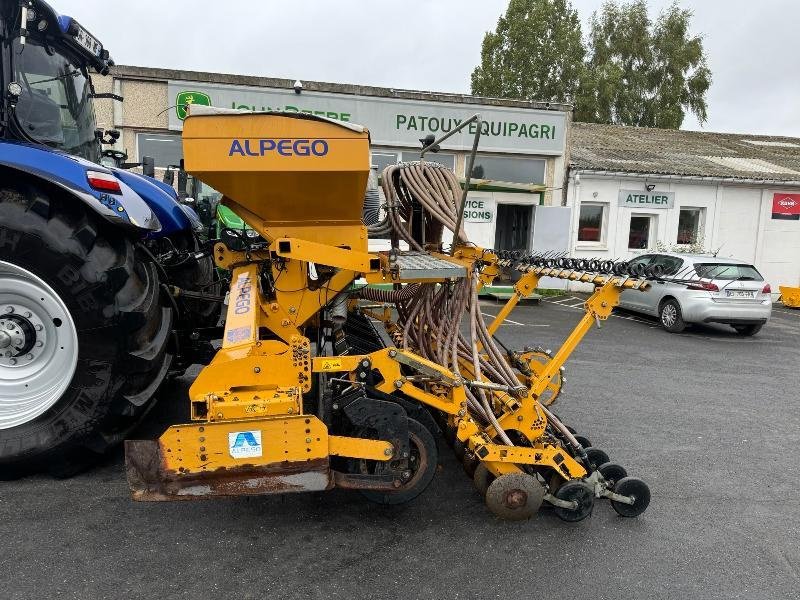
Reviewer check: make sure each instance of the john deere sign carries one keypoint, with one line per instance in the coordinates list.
(187, 97)
(391, 121)
(642, 199)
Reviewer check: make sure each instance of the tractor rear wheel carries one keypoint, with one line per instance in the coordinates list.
(86, 334)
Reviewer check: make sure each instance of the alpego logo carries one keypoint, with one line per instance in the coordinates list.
(282, 147)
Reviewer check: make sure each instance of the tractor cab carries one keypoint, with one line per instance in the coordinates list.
(45, 72)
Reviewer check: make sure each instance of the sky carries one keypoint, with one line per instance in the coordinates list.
(435, 44)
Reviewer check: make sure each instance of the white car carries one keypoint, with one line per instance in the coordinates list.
(698, 288)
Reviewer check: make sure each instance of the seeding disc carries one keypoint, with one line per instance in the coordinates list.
(515, 496)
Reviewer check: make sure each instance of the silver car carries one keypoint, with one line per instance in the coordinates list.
(698, 288)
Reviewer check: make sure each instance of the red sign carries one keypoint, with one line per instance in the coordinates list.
(786, 206)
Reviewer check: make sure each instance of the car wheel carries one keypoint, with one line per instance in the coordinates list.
(747, 330)
(670, 316)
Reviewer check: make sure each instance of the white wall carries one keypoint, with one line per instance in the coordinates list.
(737, 221)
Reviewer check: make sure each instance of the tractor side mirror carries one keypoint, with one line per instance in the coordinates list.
(149, 166)
(183, 180)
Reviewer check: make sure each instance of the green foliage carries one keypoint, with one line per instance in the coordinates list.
(536, 53)
(643, 73)
(632, 71)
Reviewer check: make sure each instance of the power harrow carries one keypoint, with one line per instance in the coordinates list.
(324, 382)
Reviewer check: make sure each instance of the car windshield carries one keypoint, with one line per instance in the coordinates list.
(728, 272)
(55, 107)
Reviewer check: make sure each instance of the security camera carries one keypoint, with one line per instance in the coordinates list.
(298, 86)
(650, 187)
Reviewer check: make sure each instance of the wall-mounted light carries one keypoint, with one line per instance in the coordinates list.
(650, 187)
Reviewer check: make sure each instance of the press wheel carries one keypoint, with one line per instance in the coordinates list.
(596, 457)
(583, 441)
(515, 496)
(579, 492)
(612, 473)
(631, 486)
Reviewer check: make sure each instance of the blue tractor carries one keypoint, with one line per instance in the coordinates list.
(105, 289)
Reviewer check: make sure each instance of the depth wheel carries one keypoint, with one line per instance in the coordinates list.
(579, 492)
(596, 457)
(515, 496)
(636, 488)
(422, 466)
(612, 473)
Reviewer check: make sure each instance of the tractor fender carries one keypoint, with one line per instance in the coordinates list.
(128, 209)
(163, 201)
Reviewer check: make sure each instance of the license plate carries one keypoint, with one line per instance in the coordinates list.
(740, 294)
(85, 39)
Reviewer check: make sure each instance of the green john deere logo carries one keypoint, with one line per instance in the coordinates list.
(184, 99)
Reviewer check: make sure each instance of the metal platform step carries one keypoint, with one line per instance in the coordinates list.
(420, 265)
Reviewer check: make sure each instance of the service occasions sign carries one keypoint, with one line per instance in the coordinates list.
(391, 121)
(479, 210)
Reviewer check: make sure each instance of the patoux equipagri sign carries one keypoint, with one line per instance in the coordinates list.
(391, 121)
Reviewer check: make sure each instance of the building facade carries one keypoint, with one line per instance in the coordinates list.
(634, 190)
(521, 158)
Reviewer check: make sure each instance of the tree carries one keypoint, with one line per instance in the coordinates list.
(643, 73)
(536, 53)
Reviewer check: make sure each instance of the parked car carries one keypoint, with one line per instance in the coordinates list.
(700, 288)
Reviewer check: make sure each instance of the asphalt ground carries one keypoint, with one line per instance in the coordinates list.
(710, 420)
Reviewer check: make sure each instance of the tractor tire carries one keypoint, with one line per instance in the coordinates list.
(85, 303)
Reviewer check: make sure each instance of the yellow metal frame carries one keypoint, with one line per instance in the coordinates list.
(255, 384)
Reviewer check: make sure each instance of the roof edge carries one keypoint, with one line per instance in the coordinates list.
(575, 169)
(152, 73)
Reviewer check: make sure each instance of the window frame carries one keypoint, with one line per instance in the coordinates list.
(650, 232)
(606, 208)
(700, 223)
(519, 159)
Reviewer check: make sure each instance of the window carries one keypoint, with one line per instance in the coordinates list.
(689, 224)
(671, 264)
(639, 233)
(513, 170)
(448, 160)
(590, 222)
(728, 272)
(166, 150)
(383, 159)
(641, 260)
